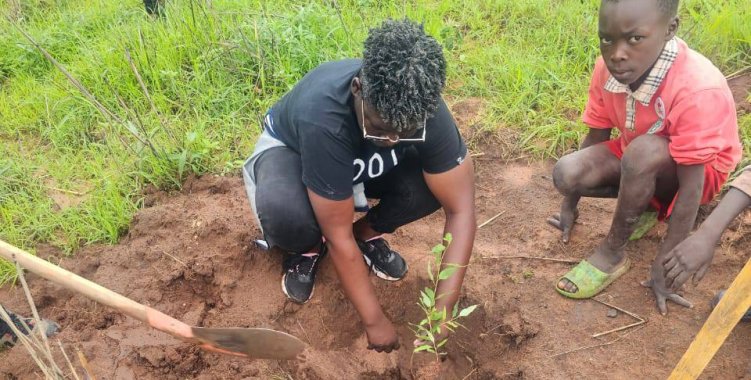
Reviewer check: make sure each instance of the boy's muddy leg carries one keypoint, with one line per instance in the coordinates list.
(590, 172)
(647, 169)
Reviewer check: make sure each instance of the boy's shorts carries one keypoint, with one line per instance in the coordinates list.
(713, 182)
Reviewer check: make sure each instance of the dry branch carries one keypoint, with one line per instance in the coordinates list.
(491, 220)
(566, 261)
(595, 345)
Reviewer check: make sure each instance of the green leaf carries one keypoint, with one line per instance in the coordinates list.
(467, 311)
(447, 272)
(436, 315)
(427, 301)
(424, 347)
(430, 292)
(448, 238)
(443, 342)
(431, 337)
(430, 271)
(456, 310)
(438, 249)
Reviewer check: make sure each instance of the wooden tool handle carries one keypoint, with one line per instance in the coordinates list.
(724, 317)
(74, 282)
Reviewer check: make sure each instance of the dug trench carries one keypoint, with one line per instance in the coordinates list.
(190, 255)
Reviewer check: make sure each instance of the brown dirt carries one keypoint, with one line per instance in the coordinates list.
(741, 88)
(190, 256)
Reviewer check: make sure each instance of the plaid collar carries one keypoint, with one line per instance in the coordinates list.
(644, 93)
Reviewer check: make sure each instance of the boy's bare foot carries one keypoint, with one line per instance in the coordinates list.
(604, 258)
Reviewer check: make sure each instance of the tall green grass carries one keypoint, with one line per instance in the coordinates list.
(211, 68)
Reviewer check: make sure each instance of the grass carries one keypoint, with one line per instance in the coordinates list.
(211, 68)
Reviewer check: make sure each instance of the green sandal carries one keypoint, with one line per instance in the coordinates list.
(589, 280)
(647, 221)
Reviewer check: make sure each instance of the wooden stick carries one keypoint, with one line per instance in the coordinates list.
(640, 319)
(619, 329)
(595, 345)
(637, 316)
(724, 317)
(491, 219)
(566, 261)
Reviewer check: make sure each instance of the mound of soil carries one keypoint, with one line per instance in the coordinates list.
(191, 256)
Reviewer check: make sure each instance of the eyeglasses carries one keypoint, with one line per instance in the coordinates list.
(366, 136)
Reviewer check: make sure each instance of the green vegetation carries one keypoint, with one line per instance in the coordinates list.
(212, 67)
(437, 321)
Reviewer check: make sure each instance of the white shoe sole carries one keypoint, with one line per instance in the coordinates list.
(382, 275)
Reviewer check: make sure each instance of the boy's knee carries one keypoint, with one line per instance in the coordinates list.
(566, 174)
(646, 154)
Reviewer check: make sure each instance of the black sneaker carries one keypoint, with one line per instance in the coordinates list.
(385, 262)
(8, 338)
(299, 277)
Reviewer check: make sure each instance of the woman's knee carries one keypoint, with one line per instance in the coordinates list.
(289, 224)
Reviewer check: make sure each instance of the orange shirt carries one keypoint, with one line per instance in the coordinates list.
(693, 108)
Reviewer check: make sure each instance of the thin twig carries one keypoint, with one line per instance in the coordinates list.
(566, 261)
(85, 92)
(637, 316)
(33, 307)
(128, 124)
(67, 360)
(477, 154)
(304, 331)
(469, 374)
(641, 322)
(341, 20)
(489, 330)
(146, 94)
(85, 365)
(30, 345)
(491, 219)
(595, 345)
(175, 258)
(77, 193)
(738, 73)
(88, 95)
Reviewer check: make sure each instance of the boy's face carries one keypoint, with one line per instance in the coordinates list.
(632, 36)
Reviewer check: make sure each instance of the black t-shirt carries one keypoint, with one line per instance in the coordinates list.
(317, 120)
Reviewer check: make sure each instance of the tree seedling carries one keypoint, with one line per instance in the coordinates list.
(435, 320)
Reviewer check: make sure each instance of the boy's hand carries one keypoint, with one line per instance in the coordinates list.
(382, 336)
(565, 220)
(661, 292)
(692, 257)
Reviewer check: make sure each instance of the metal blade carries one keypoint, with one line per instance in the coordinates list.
(257, 343)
